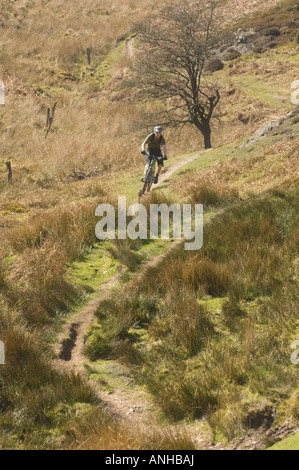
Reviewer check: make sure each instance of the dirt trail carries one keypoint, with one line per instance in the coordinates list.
(128, 404)
(129, 48)
(172, 167)
(71, 354)
(131, 405)
(122, 69)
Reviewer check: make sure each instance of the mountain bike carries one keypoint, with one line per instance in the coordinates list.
(149, 176)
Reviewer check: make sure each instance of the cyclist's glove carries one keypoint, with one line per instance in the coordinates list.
(165, 158)
(143, 152)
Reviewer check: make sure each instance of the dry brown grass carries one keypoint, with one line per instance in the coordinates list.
(33, 392)
(270, 167)
(234, 9)
(62, 34)
(36, 283)
(93, 129)
(211, 317)
(93, 435)
(93, 133)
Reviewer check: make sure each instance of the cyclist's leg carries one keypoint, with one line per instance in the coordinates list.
(160, 166)
(147, 162)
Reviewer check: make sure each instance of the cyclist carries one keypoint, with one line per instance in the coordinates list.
(154, 142)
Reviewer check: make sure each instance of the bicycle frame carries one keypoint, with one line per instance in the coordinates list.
(149, 177)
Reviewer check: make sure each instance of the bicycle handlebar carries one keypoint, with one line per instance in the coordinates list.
(153, 156)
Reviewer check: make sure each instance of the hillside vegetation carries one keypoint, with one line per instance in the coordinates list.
(207, 333)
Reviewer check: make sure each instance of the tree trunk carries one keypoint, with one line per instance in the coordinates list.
(207, 138)
(205, 130)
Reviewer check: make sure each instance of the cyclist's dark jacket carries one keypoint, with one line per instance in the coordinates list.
(154, 145)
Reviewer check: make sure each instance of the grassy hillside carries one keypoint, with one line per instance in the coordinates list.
(290, 443)
(208, 333)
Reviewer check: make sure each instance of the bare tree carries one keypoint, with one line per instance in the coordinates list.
(174, 47)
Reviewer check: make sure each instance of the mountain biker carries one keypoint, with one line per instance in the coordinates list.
(154, 141)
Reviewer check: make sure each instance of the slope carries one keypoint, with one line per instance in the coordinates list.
(47, 223)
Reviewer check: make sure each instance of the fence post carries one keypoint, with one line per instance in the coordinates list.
(2, 353)
(50, 118)
(8, 164)
(88, 55)
(2, 93)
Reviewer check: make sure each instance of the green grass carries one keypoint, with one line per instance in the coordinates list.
(109, 375)
(290, 443)
(95, 268)
(265, 90)
(206, 335)
(101, 72)
(210, 317)
(129, 183)
(204, 160)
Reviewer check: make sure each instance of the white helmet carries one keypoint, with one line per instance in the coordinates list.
(158, 129)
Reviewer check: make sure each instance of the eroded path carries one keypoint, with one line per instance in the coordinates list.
(128, 403)
(71, 351)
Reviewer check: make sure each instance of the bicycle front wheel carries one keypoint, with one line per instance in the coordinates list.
(146, 181)
(150, 181)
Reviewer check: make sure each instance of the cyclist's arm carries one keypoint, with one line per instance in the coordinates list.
(143, 146)
(163, 145)
(164, 150)
(145, 143)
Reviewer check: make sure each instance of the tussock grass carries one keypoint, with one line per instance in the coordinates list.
(70, 226)
(88, 434)
(31, 389)
(40, 289)
(199, 361)
(91, 433)
(211, 194)
(270, 165)
(123, 250)
(195, 359)
(169, 439)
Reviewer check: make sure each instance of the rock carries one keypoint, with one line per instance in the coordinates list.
(259, 417)
(275, 32)
(214, 64)
(264, 130)
(232, 54)
(243, 118)
(231, 92)
(242, 39)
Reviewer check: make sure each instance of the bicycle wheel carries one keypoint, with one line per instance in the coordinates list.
(150, 181)
(146, 181)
